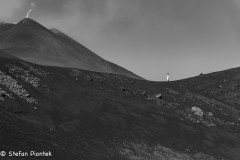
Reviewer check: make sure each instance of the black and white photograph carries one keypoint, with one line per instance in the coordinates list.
(119, 79)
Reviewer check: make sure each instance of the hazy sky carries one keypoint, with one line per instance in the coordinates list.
(148, 37)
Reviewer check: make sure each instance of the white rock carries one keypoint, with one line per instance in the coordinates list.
(197, 111)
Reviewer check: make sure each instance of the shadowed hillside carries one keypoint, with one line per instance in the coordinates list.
(78, 114)
(6, 55)
(33, 42)
(5, 26)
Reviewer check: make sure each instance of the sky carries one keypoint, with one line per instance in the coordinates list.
(148, 37)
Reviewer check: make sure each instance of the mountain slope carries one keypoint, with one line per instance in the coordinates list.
(6, 55)
(78, 114)
(5, 26)
(32, 42)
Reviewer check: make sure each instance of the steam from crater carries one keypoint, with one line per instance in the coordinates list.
(30, 10)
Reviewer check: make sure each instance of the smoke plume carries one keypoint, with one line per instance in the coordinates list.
(30, 10)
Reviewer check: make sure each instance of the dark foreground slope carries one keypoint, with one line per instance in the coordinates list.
(33, 42)
(84, 115)
(4, 54)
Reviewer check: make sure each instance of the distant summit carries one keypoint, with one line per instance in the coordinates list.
(32, 42)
